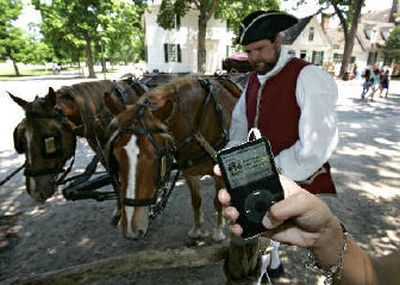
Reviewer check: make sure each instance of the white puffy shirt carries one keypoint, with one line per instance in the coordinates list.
(316, 95)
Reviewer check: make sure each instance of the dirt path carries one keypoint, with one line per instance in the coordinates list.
(58, 234)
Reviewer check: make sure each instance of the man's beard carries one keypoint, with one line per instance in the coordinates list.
(262, 67)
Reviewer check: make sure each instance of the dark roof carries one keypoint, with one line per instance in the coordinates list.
(293, 32)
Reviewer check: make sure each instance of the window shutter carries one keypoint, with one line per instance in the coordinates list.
(166, 52)
(178, 22)
(179, 53)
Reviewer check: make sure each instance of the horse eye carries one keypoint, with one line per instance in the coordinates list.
(50, 145)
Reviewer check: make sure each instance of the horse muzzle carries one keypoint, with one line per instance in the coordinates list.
(40, 188)
(135, 224)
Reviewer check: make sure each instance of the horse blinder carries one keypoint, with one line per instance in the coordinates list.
(19, 143)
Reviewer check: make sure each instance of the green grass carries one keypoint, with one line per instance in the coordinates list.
(10, 73)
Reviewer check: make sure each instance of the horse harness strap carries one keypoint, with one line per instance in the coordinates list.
(59, 116)
(158, 201)
(120, 92)
(210, 149)
(138, 202)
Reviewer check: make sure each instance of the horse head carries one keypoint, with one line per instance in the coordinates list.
(140, 150)
(46, 141)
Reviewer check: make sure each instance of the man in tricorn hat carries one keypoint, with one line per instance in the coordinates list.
(291, 102)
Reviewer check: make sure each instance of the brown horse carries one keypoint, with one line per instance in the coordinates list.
(187, 119)
(47, 135)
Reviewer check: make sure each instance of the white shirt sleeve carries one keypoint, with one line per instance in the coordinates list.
(316, 95)
(238, 128)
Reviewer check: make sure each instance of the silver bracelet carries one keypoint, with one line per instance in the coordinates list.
(312, 263)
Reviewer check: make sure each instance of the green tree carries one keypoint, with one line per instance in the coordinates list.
(225, 9)
(71, 26)
(12, 40)
(123, 35)
(235, 11)
(349, 13)
(393, 44)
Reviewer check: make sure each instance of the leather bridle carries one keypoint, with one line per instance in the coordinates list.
(166, 151)
(59, 117)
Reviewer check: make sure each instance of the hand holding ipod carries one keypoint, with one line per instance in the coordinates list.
(252, 181)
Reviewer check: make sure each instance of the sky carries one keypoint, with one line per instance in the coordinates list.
(311, 6)
(30, 15)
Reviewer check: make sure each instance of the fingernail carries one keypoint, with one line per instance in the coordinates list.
(267, 222)
(230, 211)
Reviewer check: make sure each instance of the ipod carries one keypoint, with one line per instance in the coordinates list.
(252, 180)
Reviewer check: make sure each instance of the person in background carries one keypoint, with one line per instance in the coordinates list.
(355, 71)
(367, 82)
(384, 82)
(375, 81)
(292, 103)
(304, 220)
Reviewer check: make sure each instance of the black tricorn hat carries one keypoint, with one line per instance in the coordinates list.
(261, 25)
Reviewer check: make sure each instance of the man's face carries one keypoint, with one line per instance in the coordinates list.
(263, 54)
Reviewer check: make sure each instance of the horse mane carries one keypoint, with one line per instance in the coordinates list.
(167, 91)
(88, 101)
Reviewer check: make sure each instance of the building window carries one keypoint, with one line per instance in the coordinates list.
(228, 25)
(177, 22)
(311, 34)
(172, 53)
(317, 57)
(337, 57)
(372, 57)
(228, 51)
(292, 52)
(303, 54)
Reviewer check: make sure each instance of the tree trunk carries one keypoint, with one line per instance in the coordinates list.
(393, 11)
(349, 37)
(201, 41)
(8, 50)
(16, 68)
(89, 55)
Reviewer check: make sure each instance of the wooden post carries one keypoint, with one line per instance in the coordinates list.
(135, 262)
(242, 265)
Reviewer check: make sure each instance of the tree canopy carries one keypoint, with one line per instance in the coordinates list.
(11, 38)
(393, 44)
(71, 27)
(235, 11)
(349, 13)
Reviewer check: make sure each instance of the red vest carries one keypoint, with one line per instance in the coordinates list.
(279, 118)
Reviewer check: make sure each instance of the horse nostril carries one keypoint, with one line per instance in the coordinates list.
(141, 233)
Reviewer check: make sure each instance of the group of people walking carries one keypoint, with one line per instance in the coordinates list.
(375, 79)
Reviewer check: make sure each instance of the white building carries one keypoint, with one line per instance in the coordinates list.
(307, 40)
(175, 50)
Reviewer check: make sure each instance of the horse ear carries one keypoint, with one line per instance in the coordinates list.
(19, 101)
(164, 112)
(51, 97)
(112, 105)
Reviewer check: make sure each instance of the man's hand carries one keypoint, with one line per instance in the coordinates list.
(300, 219)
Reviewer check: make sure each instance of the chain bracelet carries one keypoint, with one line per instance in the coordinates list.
(337, 269)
